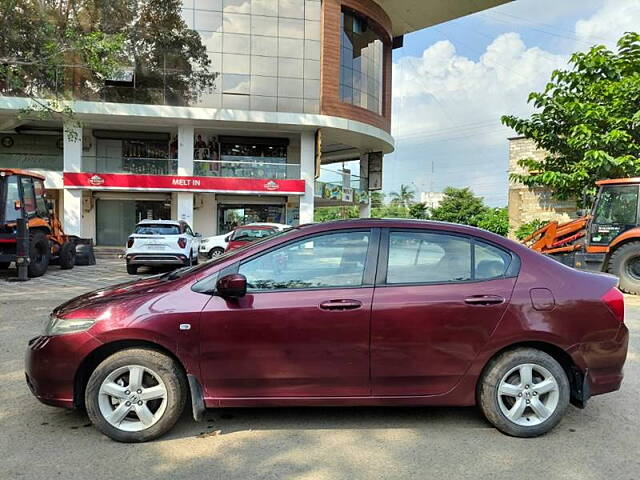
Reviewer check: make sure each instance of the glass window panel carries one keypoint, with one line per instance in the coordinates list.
(290, 8)
(210, 100)
(236, 43)
(236, 23)
(265, 86)
(237, 6)
(419, 257)
(264, 7)
(232, 63)
(239, 102)
(290, 28)
(290, 87)
(312, 30)
(264, 65)
(312, 10)
(261, 25)
(290, 47)
(208, 4)
(187, 16)
(13, 197)
(235, 83)
(264, 45)
(216, 61)
(617, 205)
(290, 105)
(212, 41)
(205, 20)
(187, 3)
(290, 67)
(312, 69)
(312, 89)
(490, 262)
(311, 50)
(265, 104)
(29, 198)
(323, 261)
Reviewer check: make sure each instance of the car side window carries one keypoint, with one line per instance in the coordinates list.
(189, 231)
(490, 262)
(41, 201)
(11, 213)
(322, 261)
(28, 195)
(423, 257)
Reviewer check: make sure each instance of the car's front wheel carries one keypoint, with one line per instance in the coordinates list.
(524, 392)
(216, 252)
(136, 395)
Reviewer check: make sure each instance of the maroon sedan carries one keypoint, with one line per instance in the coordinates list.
(358, 312)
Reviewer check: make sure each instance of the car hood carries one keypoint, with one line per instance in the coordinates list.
(98, 300)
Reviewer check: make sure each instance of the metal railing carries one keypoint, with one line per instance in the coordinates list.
(38, 161)
(136, 165)
(246, 169)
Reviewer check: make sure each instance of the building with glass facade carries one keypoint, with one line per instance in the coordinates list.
(294, 87)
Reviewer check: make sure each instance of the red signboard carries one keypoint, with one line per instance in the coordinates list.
(174, 183)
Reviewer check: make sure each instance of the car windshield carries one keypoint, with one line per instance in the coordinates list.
(157, 229)
(251, 234)
(181, 272)
(617, 205)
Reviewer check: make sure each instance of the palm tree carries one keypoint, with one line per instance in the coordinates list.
(405, 197)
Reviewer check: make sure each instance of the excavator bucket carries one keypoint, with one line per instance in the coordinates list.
(557, 237)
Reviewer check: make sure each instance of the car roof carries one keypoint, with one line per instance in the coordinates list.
(256, 227)
(160, 222)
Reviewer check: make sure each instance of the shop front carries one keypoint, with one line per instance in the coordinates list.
(233, 213)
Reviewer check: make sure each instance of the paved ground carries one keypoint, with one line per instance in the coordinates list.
(40, 442)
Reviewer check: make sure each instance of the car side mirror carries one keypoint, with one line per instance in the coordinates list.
(227, 238)
(232, 286)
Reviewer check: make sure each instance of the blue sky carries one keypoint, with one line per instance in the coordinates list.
(452, 82)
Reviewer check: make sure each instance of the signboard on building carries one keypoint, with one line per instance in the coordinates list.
(175, 183)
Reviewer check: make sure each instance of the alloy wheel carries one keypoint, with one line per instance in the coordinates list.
(528, 394)
(132, 398)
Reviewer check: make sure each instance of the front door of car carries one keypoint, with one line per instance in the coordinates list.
(438, 298)
(302, 330)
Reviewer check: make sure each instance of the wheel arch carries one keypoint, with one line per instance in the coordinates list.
(574, 373)
(91, 361)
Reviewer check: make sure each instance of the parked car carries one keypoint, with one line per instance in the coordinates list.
(241, 236)
(216, 245)
(357, 312)
(162, 242)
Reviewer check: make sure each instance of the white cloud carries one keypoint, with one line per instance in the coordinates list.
(614, 18)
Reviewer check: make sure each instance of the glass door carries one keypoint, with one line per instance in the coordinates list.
(115, 220)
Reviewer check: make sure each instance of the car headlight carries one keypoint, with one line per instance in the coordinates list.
(60, 326)
(204, 240)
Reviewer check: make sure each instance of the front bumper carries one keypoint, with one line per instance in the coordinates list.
(51, 364)
(156, 259)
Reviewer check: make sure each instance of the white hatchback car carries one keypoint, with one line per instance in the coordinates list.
(216, 246)
(162, 242)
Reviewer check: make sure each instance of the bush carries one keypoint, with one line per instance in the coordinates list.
(528, 228)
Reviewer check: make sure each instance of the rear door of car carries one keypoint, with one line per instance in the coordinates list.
(438, 297)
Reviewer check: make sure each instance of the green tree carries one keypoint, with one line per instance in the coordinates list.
(526, 229)
(405, 197)
(326, 214)
(419, 210)
(588, 121)
(459, 205)
(495, 220)
(377, 199)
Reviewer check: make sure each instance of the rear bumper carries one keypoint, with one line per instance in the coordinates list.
(51, 364)
(156, 259)
(602, 362)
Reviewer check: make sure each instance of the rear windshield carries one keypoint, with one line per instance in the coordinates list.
(157, 229)
(251, 234)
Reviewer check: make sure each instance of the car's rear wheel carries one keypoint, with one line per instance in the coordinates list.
(625, 264)
(524, 392)
(136, 395)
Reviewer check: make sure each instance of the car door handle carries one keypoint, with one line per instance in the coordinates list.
(484, 300)
(343, 304)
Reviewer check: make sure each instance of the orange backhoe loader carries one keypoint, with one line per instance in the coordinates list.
(607, 240)
(22, 195)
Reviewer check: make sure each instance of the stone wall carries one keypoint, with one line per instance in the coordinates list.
(525, 203)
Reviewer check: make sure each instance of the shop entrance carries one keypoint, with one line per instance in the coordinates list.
(115, 219)
(232, 216)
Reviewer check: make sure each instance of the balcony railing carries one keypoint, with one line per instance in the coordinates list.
(141, 166)
(34, 161)
(246, 169)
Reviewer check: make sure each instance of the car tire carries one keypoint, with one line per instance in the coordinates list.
(216, 252)
(4, 265)
(526, 409)
(39, 254)
(115, 412)
(132, 269)
(625, 264)
(195, 259)
(67, 256)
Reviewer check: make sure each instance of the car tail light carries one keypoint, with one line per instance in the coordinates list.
(130, 242)
(615, 301)
(182, 242)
